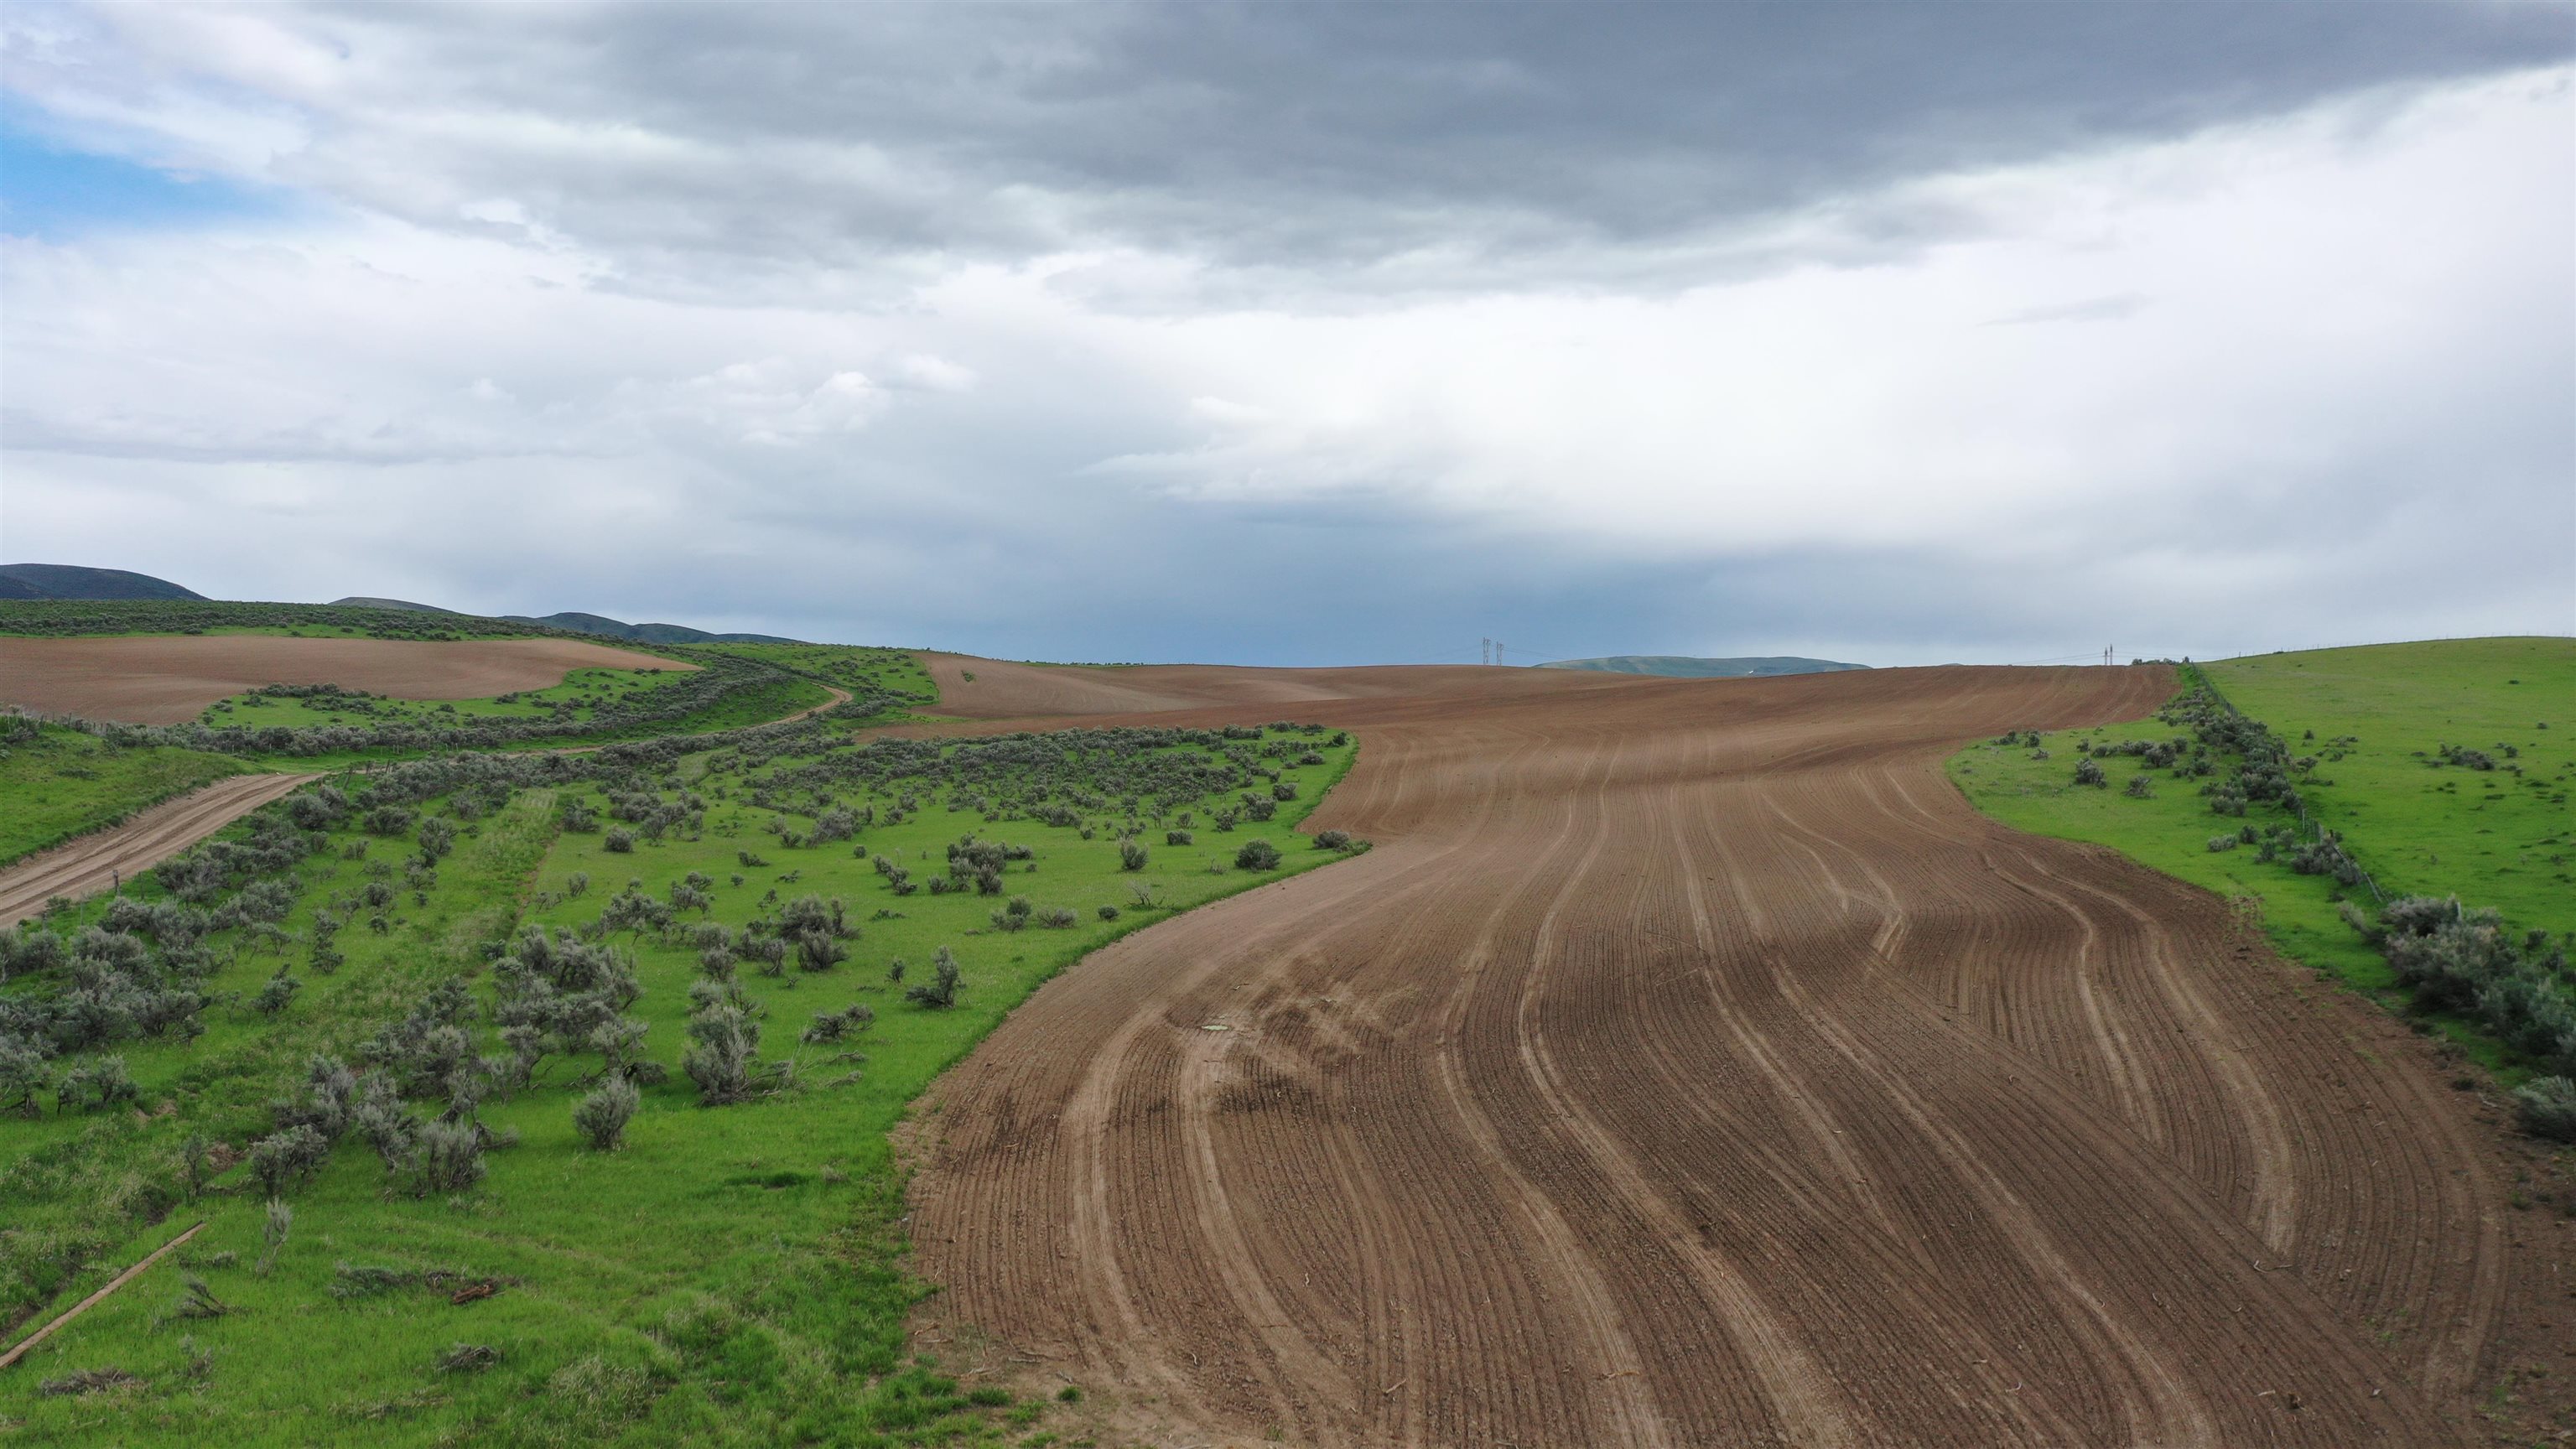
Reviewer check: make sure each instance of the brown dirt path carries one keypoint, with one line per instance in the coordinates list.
(170, 679)
(90, 863)
(1689, 1064)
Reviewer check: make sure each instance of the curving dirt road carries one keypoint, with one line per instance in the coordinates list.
(1690, 1065)
(91, 863)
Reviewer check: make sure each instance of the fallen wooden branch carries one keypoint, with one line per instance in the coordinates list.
(77, 1309)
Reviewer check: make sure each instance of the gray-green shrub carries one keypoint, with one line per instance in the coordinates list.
(602, 1116)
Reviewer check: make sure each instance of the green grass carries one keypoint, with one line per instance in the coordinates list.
(2395, 812)
(734, 1275)
(773, 698)
(2504, 837)
(2169, 832)
(855, 669)
(63, 783)
(580, 696)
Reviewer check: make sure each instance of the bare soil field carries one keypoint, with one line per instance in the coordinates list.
(1002, 690)
(93, 862)
(168, 679)
(1690, 1065)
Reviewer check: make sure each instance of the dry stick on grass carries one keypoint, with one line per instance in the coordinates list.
(77, 1309)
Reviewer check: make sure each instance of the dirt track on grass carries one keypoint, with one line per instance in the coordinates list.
(1690, 1065)
(92, 862)
(170, 679)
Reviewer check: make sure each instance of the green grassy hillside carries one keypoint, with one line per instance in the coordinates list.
(858, 670)
(583, 695)
(2366, 727)
(591, 707)
(2377, 719)
(734, 1273)
(58, 783)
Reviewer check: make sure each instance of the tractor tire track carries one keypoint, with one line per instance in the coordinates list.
(1692, 1065)
(91, 863)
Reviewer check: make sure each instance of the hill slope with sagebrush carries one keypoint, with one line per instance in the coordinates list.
(75, 581)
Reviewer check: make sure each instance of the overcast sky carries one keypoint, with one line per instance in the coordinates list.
(1312, 333)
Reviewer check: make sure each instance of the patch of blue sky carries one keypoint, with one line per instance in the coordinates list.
(55, 192)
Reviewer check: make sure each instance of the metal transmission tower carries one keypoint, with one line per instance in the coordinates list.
(1485, 653)
(2106, 656)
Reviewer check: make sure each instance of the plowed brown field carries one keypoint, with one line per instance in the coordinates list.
(167, 679)
(1689, 1065)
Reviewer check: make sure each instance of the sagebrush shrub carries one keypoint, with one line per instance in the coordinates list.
(941, 990)
(285, 1160)
(720, 1058)
(447, 1157)
(602, 1116)
(832, 1026)
(94, 1085)
(1257, 855)
(276, 995)
(2547, 1108)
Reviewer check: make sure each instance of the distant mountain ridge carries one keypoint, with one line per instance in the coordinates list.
(608, 628)
(363, 601)
(580, 623)
(1680, 666)
(76, 581)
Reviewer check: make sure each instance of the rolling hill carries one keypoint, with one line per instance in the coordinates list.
(364, 601)
(74, 581)
(598, 624)
(645, 633)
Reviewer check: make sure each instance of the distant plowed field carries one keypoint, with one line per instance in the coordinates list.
(168, 679)
(1003, 691)
(1689, 1065)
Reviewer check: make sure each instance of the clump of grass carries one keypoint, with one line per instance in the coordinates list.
(196, 1300)
(279, 1221)
(88, 1381)
(468, 1358)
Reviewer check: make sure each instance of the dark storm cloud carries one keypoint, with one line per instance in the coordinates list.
(1430, 141)
(1326, 333)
